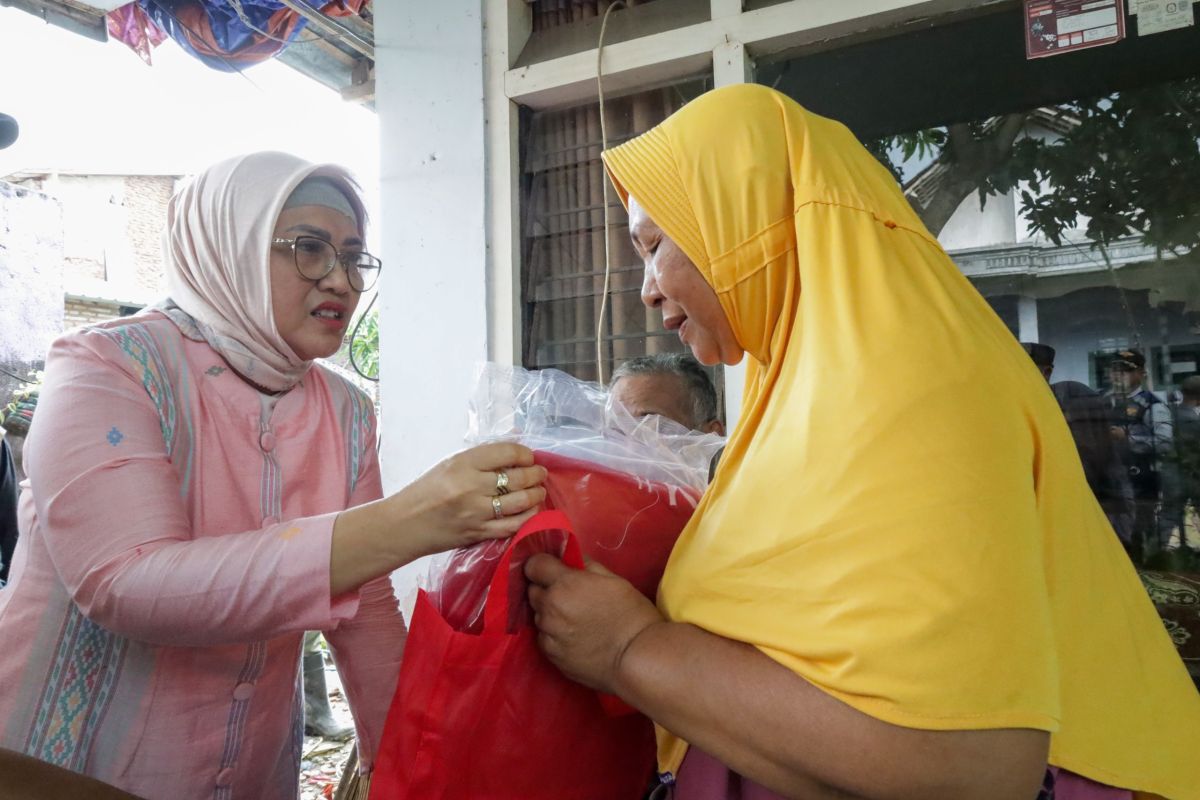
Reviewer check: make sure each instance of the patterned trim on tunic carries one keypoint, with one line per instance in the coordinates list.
(140, 344)
(77, 692)
(356, 421)
(270, 499)
(270, 488)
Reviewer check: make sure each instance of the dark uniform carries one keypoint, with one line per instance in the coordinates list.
(1144, 451)
(1088, 416)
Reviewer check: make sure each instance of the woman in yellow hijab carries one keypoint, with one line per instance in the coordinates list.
(898, 584)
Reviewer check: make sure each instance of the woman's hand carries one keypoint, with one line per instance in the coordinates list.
(586, 619)
(455, 503)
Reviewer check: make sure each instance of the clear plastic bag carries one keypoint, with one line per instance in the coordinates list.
(628, 485)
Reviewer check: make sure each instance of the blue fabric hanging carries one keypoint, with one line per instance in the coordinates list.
(212, 31)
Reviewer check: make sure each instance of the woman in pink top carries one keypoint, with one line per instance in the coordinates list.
(201, 493)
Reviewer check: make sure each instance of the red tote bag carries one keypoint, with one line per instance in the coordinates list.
(628, 524)
(484, 716)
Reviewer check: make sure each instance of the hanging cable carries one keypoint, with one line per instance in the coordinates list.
(354, 335)
(604, 184)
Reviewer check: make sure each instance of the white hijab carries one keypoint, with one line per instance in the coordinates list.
(217, 244)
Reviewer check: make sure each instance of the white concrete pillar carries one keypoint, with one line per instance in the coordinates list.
(507, 26)
(724, 8)
(731, 65)
(1027, 319)
(433, 295)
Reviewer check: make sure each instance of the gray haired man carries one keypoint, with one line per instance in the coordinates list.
(672, 385)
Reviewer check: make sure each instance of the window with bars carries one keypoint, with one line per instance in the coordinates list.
(564, 238)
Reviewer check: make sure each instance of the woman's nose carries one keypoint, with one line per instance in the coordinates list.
(337, 280)
(651, 296)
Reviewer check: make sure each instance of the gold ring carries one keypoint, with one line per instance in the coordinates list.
(502, 483)
(497, 509)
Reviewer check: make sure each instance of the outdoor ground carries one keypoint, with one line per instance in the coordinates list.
(323, 759)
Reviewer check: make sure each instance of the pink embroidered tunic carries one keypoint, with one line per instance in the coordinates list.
(175, 542)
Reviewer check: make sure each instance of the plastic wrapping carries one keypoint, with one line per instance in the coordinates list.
(628, 485)
(551, 411)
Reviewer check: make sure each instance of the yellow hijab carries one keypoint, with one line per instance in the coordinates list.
(900, 517)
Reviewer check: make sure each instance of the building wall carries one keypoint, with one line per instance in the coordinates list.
(146, 199)
(112, 229)
(995, 221)
(433, 161)
(974, 226)
(78, 312)
(31, 281)
(74, 250)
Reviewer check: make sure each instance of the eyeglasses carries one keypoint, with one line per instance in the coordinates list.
(315, 258)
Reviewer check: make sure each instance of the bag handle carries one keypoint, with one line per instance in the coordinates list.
(495, 608)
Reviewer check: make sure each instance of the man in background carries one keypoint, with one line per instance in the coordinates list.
(1088, 418)
(1181, 485)
(1143, 430)
(8, 473)
(672, 385)
(8, 508)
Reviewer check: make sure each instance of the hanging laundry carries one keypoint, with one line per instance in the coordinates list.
(226, 35)
(129, 24)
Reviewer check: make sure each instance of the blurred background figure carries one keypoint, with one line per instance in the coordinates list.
(9, 130)
(1181, 492)
(672, 385)
(1142, 428)
(8, 473)
(319, 719)
(1042, 355)
(1087, 416)
(8, 508)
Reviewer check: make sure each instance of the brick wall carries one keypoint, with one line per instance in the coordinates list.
(31, 281)
(112, 232)
(87, 312)
(146, 198)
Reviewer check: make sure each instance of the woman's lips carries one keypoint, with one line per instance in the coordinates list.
(333, 323)
(331, 315)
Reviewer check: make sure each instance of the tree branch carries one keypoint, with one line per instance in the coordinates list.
(969, 161)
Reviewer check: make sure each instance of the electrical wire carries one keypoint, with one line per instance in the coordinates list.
(16, 377)
(604, 183)
(233, 68)
(607, 221)
(354, 335)
(236, 5)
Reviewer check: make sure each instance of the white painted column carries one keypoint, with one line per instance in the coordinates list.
(724, 8)
(1027, 319)
(433, 297)
(731, 65)
(507, 26)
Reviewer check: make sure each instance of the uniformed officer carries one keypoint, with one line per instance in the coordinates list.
(1143, 430)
